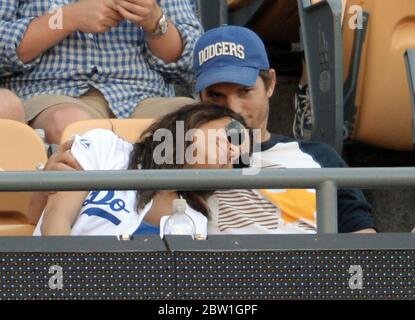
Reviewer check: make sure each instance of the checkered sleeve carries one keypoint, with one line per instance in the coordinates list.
(12, 30)
(181, 13)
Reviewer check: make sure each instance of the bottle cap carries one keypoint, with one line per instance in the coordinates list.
(125, 237)
(179, 205)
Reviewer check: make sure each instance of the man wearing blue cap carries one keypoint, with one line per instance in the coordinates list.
(232, 70)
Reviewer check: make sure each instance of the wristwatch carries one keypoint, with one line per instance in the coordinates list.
(161, 28)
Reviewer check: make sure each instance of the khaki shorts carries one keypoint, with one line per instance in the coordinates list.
(96, 105)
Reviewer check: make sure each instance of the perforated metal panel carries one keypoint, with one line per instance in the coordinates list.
(296, 275)
(88, 275)
(222, 267)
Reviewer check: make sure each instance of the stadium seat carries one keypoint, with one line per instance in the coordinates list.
(237, 4)
(22, 150)
(7, 230)
(214, 13)
(277, 21)
(274, 20)
(128, 129)
(381, 112)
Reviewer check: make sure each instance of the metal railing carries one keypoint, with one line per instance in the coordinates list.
(326, 182)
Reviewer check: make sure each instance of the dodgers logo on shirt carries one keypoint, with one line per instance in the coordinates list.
(85, 143)
(106, 199)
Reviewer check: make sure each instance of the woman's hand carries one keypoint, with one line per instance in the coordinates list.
(61, 160)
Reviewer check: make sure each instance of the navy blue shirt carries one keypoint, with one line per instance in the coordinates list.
(146, 228)
(354, 212)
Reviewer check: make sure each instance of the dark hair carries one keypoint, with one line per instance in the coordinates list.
(266, 77)
(193, 117)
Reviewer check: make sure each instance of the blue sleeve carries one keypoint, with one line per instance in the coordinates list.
(354, 212)
(12, 30)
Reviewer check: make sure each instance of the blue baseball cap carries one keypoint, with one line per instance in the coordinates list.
(229, 54)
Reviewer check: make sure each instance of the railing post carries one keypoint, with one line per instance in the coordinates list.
(327, 207)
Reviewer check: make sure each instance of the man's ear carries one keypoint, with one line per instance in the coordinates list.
(272, 83)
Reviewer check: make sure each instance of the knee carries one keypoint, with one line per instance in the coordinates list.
(11, 106)
(58, 118)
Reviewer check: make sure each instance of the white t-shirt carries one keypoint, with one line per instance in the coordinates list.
(111, 212)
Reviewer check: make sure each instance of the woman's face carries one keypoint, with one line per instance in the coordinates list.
(211, 149)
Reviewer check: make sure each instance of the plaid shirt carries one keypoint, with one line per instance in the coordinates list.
(118, 63)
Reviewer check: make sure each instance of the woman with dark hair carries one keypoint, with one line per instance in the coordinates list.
(180, 140)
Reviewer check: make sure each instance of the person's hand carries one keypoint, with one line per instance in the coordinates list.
(212, 150)
(62, 159)
(144, 13)
(92, 16)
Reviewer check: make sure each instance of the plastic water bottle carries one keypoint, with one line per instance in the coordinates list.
(179, 222)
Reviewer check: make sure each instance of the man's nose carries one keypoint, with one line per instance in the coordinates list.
(234, 104)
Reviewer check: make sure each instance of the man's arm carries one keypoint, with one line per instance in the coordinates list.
(146, 14)
(86, 16)
(369, 230)
(171, 55)
(354, 212)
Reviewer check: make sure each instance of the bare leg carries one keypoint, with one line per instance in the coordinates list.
(11, 106)
(55, 119)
